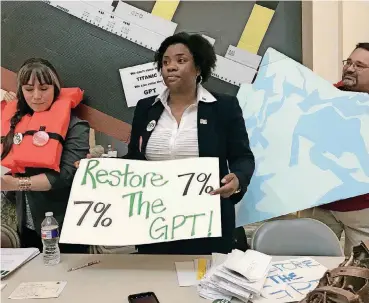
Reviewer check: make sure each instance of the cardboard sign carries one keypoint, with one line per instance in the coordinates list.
(120, 202)
(310, 140)
(140, 82)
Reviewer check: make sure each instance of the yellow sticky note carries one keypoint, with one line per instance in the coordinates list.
(255, 29)
(165, 9)
(201, 268)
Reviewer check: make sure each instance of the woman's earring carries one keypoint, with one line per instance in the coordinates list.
(199, 79)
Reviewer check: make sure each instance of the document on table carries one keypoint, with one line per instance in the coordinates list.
(189, 273)
(38, 290)
(12, 258)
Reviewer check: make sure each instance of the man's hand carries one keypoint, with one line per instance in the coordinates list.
(9, 96)
(76, 164)
(231, 185)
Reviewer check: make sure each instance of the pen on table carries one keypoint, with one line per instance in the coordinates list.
(85, 265)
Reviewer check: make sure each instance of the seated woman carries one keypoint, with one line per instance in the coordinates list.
(188, 121)
(41, 140)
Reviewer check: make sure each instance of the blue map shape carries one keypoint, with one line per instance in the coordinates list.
(310, 140)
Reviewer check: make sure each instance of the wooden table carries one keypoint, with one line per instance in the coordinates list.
(116, 277)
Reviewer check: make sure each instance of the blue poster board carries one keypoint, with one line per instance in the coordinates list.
(310, 140)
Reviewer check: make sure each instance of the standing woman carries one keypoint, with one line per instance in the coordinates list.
(41, 140)
(187, 121)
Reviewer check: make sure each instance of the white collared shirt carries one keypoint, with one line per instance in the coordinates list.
(172, 141)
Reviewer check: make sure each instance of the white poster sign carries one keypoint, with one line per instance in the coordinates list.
(291, 280)
(141, 81)
(125, 202)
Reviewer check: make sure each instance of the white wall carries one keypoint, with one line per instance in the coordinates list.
(330, 30)
(355, 25)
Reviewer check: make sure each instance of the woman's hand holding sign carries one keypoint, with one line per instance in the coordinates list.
(230, 187)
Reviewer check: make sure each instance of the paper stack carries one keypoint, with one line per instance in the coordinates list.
(12, 258)
(242, 275)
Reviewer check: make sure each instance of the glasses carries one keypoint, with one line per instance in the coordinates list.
(355, 65)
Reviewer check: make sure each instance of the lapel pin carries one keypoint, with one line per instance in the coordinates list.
(203, 121)
(151, 125)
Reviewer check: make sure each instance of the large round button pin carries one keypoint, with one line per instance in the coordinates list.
(40, 138)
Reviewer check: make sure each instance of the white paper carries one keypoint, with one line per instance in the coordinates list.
(243, 57)
(144, 19)
(175, 203)
(210, 39)
(141, 81)
(12, 258)
(186, 274)
(239, 281)
(218, 259)
(111, 22)
(38, 290)
(146, 30)
(232, 72)
(291, 280)
(213, 287)
(3, 285)
(253, 265)
(225, 278)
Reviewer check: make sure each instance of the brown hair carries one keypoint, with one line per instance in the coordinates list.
(33, 68)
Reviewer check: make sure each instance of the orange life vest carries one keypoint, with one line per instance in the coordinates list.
(54, 122)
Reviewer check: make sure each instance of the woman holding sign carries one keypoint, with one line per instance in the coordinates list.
(41, 140)
(188, 121)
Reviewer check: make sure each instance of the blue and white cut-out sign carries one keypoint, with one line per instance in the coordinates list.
(310, 140)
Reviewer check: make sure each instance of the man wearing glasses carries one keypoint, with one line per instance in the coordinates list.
(355, 74)
(349, 215)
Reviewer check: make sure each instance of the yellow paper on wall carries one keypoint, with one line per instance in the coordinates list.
(255, 29)
(165, 9)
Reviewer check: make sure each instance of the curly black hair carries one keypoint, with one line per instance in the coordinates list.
(200, 48)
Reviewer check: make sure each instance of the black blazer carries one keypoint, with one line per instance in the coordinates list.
(223, 136)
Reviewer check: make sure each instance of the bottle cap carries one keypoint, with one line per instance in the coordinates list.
(49, 214)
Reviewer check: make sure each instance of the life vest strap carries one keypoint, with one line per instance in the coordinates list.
(53, 136)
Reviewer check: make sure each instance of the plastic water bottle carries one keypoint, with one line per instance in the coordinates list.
(50, 239)
(111, 152)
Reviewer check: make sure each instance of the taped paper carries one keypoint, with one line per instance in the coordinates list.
(141, 81)
(146, 20)
(124, 27)
(244, 57)
(255, 29)
(165, 9)
(233, 72)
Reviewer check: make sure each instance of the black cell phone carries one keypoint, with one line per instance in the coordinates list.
(144, 297)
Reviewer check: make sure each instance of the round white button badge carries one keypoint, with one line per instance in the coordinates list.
(18, 138)
(151, 126)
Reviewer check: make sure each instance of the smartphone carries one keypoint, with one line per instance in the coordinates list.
(144, 297)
